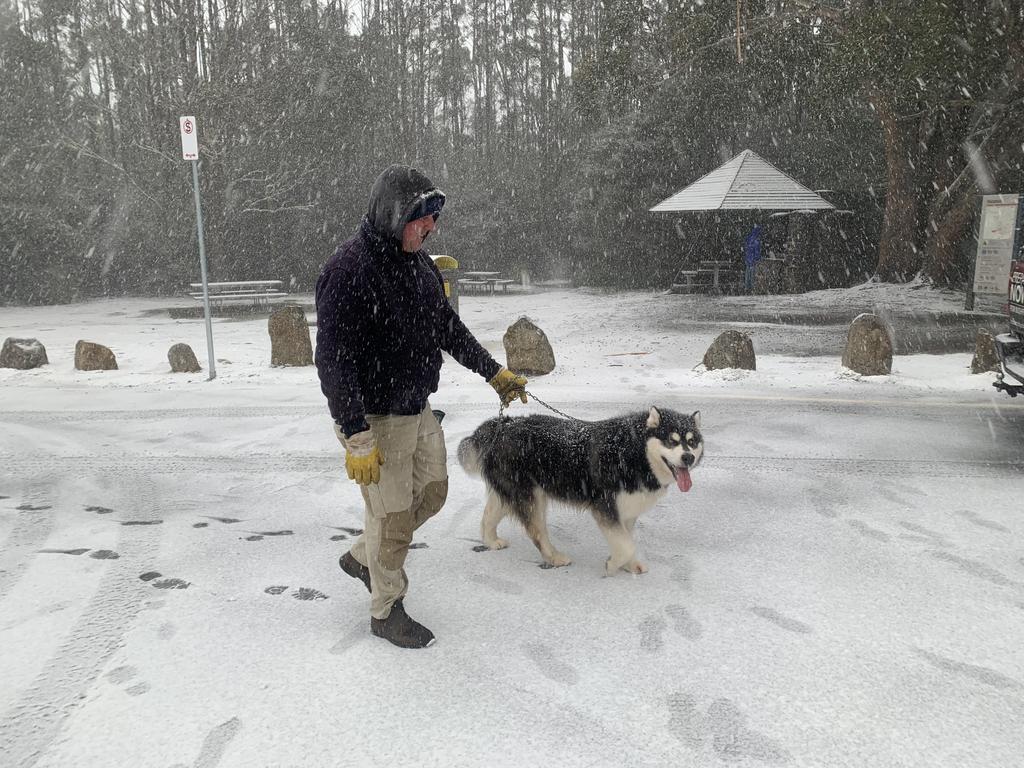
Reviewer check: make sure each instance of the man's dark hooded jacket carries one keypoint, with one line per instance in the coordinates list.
(382, 316)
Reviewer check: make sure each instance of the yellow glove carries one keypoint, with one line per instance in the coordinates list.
(509, 386)
(362, 456)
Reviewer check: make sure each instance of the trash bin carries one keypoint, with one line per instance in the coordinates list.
(450, 272)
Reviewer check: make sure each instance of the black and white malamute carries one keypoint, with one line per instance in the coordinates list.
(617, 469)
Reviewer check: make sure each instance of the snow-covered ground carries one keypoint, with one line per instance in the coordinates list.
(915, 297)
(604, 343)
(844, 585)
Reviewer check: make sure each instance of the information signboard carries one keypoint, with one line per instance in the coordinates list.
(1000, 215)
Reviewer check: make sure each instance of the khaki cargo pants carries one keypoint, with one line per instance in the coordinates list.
(413, 487)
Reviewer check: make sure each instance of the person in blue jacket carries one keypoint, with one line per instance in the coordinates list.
(382, 322)
(752, 255)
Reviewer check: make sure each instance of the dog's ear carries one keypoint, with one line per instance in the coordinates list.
(653, 418)
(696, 419)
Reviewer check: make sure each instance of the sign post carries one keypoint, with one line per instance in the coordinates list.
(190, 151)
(999, 215)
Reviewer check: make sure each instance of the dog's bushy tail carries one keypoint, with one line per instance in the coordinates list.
(471, 450)
(469, 456)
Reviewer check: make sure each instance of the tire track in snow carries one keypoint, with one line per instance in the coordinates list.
(30, 725)
(68, 416)
(584, 408)
(31, 529)
(261, 463)
(158, 414)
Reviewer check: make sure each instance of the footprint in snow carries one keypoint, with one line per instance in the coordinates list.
(99, 554)
(258, 536)
(123, 675)
(164, 583)
(299, 593)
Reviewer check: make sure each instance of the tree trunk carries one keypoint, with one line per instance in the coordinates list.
(940, 254)
(899, 256)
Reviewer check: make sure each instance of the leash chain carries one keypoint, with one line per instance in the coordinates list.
(502, 407)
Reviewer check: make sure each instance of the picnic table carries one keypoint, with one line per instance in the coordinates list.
(484, 281)
(714, 266)
(684, 281)
(255, 292)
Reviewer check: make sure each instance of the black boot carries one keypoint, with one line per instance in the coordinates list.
(355, 569)
(401, 630)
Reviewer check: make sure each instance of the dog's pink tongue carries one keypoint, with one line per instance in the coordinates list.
(683, 479)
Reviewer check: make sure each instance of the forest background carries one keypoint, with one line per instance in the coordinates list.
(552, 125)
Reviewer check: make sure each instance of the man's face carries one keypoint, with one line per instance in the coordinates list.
(416, 232)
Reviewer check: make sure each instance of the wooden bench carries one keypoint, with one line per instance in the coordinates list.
(481, 285)
(255, 292)
(485, 282)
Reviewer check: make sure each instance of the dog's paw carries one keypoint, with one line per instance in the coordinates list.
(497, 544)
(633, 566)
(559, 559)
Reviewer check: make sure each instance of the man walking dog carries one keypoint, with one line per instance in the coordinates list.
(382, 322)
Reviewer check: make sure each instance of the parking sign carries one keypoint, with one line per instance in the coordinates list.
(189, 138)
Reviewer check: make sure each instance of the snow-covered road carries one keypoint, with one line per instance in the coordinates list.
(844, 585)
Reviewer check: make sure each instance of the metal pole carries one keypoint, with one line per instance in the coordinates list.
(202, 263)
(973, 261)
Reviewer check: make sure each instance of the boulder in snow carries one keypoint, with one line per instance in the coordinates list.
(183, 359)
(868, 346)
(289, 337)
(985, 357)
(23, 354)
(732, 349)
(94, 357)
(527, 349)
